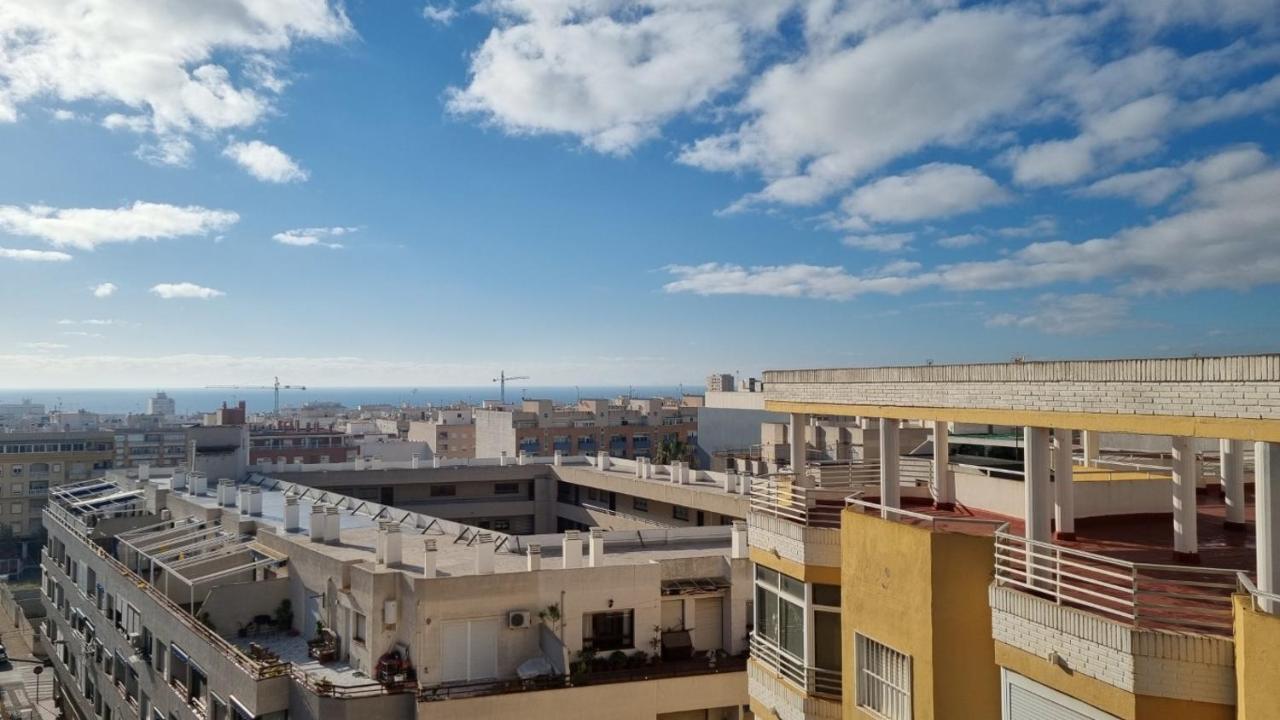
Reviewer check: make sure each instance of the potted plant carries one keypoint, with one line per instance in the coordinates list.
(617, 660)
(284, 616)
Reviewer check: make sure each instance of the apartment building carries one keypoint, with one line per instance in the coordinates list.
(447, 432)
(289, 444)
(161, 404)
(32, 463)
(359, 609)
(623, 428)
(720, 382)
(1068, 581)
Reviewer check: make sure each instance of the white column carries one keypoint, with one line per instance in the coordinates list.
(1089, 441)
(890, 489)
(1064, 496)
(944, 483)
(1036, 498)
(1231, 473)
(1184, 499)
(799, 426)
(1266, 508)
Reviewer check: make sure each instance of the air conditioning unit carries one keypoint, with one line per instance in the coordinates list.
(135, 640)
(518, 619)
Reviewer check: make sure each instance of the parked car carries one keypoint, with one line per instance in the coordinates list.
(4, 655)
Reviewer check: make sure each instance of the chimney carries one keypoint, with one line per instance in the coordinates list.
(393, 554)
(484, 554)
(597, 547)
(522, 458)
(429, 559)
(730, 482)
(648, 469)
(198, 483)
(602, 460)
(332, 526)
(738, 534)
(144, 471)
(502, 459)
(415, 461)
(292, 513)
(571, 549)
(243, 502)
(179, 481)
(255, 502)
(435, 461)
(226, 492)
(535, 556)
(639, 467)
(557, 459)
(317, 523)
(380, 543)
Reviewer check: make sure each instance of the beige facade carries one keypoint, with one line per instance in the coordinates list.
(32, 463)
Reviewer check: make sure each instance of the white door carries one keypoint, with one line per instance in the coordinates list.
(1026, 699)
(708, 624)
(313, 614)
(469, 650)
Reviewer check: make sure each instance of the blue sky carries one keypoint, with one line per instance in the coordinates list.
(600, 191)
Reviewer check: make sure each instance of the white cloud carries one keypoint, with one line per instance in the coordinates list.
(1040, 226)
(608, 75)
(81, 333)
(308, 237)
(173, 68)
(185, 290)
(267, 163)
(64, 115)
(890, 242)
(42, 346)
(1155, 185)
(1084, 314)
(87, 228)
(442, 14)
(932, 191)
(955, 242)
(172, 150)
(807, 281)
(33, 255)
(91, 321)
(104, 290)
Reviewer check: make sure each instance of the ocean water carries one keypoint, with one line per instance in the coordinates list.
(192, 400)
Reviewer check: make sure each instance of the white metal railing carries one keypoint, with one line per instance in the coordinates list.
(1262, 601)
(1144, 594)
(782, 498)
(933, 522)
(812, 680)
(996, 472)
(624, 516)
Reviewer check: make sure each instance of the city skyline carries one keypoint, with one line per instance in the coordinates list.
(421, 193)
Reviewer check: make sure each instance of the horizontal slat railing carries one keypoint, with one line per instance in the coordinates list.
(811, 507)
(813, 680)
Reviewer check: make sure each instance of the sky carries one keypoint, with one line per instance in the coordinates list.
(380, 192)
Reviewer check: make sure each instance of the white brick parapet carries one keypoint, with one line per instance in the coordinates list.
(1184, 666)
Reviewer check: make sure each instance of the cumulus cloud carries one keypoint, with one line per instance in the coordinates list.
(889, 242)
(33, 255)
(175, 68)
(91, 321)
(1155, 185)
(1084, 314)
(604, 74)
(933, 191)
(799, 280)
(42, 346)
(87, 228)
(955, 242)
(441, 14)
(267, 163)
(185, 290)
(104, 290)
(312, 237)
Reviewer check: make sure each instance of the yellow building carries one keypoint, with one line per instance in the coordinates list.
(31, 463)
(1049, 580)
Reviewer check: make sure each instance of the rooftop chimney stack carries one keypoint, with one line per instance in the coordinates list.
(292, 513)
(198, 483)
(571, 549)
(415, 461)
(179, 481)
(435, 461)
(380, 543)
(255, 502)
(226, 492)
(484, 554)
(522, 458)
(730, 482)
(317, 523)
(502, 459)
(535, 556)
(602, 460)
(144, 471)
(429, 559)
(597, 547)
(738, 535)
(394, 553)
(557, 459)
(332, 526)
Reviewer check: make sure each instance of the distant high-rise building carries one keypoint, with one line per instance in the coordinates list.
(720, 382)
(161, 404)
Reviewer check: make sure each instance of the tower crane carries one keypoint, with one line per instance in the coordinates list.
(502, 380)
(277, 387)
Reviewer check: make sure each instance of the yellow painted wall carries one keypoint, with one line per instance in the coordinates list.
(808, 573)
(923, 594)
(1257, 662)
(1107, 698)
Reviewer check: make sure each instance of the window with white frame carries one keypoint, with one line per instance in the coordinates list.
(780, 611)
(883, 679)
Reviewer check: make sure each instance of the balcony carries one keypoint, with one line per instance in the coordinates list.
(811, 680)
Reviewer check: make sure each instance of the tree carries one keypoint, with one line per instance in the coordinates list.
(672, 450)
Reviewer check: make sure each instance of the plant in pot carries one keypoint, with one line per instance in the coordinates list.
(284, 617)
(617, 660)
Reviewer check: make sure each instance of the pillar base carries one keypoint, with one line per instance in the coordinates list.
(945, 506)
(1230, 526)
(1068, 536)
(1187, 558)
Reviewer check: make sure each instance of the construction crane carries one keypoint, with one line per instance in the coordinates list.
(502, 380)
(277, 387)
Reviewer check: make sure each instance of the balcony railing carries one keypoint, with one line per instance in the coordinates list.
(811, 507)
(656, 671)
(811, 680)
(1143, 594)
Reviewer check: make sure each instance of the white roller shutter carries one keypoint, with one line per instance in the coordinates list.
(469, 650)
(708, 624)
(1026, 699)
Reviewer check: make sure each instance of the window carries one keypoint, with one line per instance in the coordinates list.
(358, 628)
(640, 504)
(883, 679)
(444, 490)
(507, 488)
(679, 513)
(608, 631)
(780, 610)
(502, 525)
